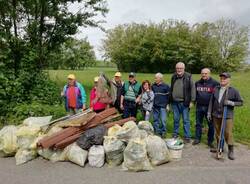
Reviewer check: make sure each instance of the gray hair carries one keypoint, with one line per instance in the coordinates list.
(159, 75)
(180, 64)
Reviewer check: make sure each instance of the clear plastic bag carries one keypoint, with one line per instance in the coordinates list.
(26, 136)
(114, 150)
(8, 141)
(24, 155)
(147, 126)
(113, 130)
(157, 150)
(37, 121)
(76, 154)
(128, 131)
(96, 156)
(135, 156)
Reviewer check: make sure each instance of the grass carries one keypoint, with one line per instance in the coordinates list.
(240, 81)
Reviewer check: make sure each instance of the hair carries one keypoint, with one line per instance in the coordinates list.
(180, 63)
(160, 75)
(144, 82)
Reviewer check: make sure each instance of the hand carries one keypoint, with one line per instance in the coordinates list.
(83, 107)
(121, 107)
(137, 100)
(62, 93)
(168, 108)
(229, 102)
(191, 105)
(147, 113)
(209, 117)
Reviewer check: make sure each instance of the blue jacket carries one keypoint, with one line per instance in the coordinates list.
(80, 95)
(161, 92)
(204, 90)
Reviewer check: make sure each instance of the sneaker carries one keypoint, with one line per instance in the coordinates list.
(175, 136)
(186, 140)
(196, 141)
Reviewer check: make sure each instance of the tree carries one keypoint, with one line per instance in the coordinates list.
(30, 30)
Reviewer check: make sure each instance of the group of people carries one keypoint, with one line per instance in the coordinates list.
(208, 95)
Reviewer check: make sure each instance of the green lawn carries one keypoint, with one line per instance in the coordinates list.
(241, 81)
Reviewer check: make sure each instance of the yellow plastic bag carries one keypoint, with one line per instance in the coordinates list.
(112, 130)
(26, 136)
(8, 141)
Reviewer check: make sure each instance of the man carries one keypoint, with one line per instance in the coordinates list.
(130, 96)
(115, 89)
(182, 94)
(75, 96)
(204, 89)
(161, 93)
(224, 95)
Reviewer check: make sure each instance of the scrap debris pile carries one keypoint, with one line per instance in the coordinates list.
(87, 136)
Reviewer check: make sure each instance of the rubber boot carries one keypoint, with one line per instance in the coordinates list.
(231, 152)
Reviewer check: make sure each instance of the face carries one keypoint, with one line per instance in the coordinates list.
(224, 81)
(157, 80)
(95, 83)
(117, 79)
(205, 74)
(180, 69)
(71, 82)
(131, 79)
(145, 86)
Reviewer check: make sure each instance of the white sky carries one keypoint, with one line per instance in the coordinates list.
(143, 11)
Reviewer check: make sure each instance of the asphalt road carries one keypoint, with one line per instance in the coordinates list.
(197, 166)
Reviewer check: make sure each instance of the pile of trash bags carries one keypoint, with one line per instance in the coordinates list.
(133, 146)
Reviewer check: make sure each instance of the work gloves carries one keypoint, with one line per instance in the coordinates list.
(229, 103)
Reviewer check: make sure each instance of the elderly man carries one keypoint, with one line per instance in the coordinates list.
(161, 93)
(115, 89)
(130, 96)
(74, 94)
(182, 94)
(204, 89)
(224, 95)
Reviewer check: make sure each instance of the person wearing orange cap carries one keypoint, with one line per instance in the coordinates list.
(74, 94)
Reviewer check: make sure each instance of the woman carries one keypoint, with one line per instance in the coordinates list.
(147, 100)
(99, 98)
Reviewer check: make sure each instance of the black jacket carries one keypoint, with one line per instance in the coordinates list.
(204, 90)
(187, 87)
(216, 109)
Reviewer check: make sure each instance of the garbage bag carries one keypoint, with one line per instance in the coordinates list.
(26, 135)
(135, 156)
(113, 130)
(76, 154)
(8, 141)
(24, 155)
(96, 156)
(128, 131)
(157, 150)
(143, 134)
(54, 156)
(147, 126)
(93, 136)
(37, 121)
(114, 150)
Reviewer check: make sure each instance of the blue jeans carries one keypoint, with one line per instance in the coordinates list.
(160, 120)
(201, 112)
(179, 109)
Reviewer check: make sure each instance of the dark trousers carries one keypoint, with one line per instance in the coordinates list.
(130, 109)
(201, 112)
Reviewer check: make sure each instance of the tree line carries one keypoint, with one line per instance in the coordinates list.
(221, 46)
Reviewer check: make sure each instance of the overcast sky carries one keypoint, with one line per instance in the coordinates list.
(143, 11)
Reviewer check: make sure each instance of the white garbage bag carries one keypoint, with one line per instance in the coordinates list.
(128, 131)
(26, 136)
(37, 121)
(96, 156)
(143, 134)
(76, 154)
(113, 130)
(113, 148)
(157, 150)
(147, 126)
(135, 156)
(8, 141)
(24, 155)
